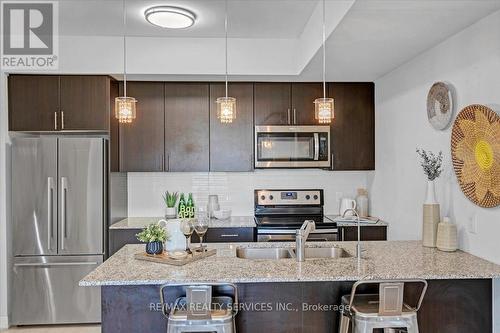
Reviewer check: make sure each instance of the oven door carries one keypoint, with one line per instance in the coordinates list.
(288, 235)
(292, 146)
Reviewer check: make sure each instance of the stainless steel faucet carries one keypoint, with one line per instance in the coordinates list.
(358, 246)
(301, 238)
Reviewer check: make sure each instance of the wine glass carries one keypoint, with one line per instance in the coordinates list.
(201, 225)
(187, 228)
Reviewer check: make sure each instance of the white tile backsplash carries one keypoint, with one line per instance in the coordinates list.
(235, 189)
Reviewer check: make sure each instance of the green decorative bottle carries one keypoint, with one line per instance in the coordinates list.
(190, 206)
(181, 210)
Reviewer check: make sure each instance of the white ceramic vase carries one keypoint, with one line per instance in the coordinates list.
(430, 198)
(170, 212)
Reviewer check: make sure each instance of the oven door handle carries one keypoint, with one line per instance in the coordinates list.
(316, 146)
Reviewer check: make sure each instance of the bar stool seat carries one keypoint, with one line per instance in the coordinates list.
(197, 310)
(386, 310)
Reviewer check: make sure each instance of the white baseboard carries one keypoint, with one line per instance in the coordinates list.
(4, 322)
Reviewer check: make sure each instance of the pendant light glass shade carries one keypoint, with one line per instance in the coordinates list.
(226, 106)
(226, 109)
(125, 106)
(125, 109)
(324, 110)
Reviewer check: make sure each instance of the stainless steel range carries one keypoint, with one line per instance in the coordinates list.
(278, 213)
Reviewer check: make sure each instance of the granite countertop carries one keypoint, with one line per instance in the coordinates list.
(141, 222)
(382, 260)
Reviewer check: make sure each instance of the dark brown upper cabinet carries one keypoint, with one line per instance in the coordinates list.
(187, 126)
(286, 103)
(85, 102)
(141, 143)
(353, 128)
(272, 103)
(303, 96)
(231, 145)
(55, 103)
(33, 102)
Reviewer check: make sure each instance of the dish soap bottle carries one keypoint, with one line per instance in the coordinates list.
(190, 206)
(362, 202)
(181, 211)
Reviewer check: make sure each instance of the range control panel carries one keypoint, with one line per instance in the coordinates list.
(288, 197)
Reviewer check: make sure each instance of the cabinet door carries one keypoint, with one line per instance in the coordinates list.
(84, 102)
(353, 129)
(303, 96)
(368, 233)
(272, 104)
(187, 126)
(142, 141)
(231, 145)
(33, 102)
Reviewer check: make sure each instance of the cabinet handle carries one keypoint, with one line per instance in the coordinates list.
(168, 162)
(62, 120)
(55, 120)
(229, 235)
(162, 163)
(289, 121)
(331, 162)
(294, 116)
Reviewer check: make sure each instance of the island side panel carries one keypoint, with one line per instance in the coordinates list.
(448, 307)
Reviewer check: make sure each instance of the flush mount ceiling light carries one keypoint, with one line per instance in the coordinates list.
(170, 17)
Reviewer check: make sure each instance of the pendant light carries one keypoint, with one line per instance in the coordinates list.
(324, 107)
(226, 106)
(125, 106)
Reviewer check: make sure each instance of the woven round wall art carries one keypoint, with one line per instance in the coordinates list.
(475, 152)
(439, 105)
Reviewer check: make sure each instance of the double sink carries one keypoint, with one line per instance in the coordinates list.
(334, 252)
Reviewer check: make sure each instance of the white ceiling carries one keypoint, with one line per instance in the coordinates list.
(247, 18)
(371, 39)
(377, 36)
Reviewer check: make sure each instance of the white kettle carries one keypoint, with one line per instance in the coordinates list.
(345, 204)
(177, 241)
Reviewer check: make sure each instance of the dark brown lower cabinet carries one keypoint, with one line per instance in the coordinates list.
(449, 306)
(368, 233)
(186, 126)
(141, 143)
(231, 145)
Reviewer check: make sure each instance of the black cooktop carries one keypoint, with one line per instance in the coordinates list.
(293, 222)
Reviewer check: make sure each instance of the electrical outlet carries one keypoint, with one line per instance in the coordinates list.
(338, 196)
(473, 225)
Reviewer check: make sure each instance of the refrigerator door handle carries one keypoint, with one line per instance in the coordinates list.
(50, 212)
(64, 188)
(47, 264)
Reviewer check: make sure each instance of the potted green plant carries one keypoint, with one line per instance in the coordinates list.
(170, 200)
(154, 236)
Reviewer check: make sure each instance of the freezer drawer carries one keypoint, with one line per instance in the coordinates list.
(46, 290)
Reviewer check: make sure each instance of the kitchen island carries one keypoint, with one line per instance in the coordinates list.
(460, 286)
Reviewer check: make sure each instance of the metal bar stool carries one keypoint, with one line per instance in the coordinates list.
(385, 310)
(198, 310)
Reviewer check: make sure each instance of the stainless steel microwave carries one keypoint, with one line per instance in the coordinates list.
(292, 146)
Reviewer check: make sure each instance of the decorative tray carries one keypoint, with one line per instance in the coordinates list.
(166, 258)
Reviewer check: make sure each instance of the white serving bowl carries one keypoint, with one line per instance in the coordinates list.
(222, 214)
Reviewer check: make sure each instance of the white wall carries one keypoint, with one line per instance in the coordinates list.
(470, 61)
(236, 189)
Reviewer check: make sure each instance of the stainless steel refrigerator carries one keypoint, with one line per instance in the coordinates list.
(58, 215)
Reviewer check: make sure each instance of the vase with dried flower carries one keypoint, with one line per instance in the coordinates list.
(431, 164)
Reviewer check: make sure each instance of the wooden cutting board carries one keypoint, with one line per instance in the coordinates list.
(165, 258)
